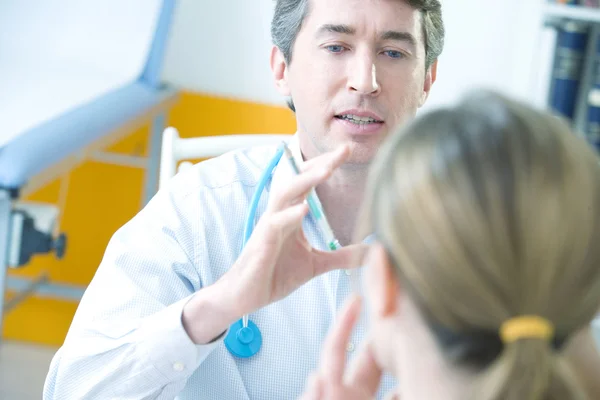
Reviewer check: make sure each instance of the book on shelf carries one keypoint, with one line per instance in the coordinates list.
(571, 44)
(590, 3)
(566, 73)
(572, 88)
(592, 127)
(592, 131)
(584, 3)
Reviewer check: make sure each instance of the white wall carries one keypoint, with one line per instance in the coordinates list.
(488, 43)
(223, 47)
(56, 55)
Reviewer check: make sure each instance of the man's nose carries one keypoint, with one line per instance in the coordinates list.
(362, 76)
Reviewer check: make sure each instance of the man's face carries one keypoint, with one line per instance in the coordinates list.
(357, 73)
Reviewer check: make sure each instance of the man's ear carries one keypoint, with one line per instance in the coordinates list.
(383, 284)
(279, 68)
(430, 77)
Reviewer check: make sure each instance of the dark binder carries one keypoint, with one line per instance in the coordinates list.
(567, 73)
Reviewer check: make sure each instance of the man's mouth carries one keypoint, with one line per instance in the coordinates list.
(358, 119)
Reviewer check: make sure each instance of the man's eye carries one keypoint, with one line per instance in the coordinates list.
(335, 48)
(394, 53)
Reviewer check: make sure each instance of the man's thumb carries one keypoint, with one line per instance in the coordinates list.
(345, 258)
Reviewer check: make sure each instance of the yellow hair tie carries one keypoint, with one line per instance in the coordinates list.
(526, 327)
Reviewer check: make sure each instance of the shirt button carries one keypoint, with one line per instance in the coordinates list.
(178, 366)
(350, 347)
(348, 272)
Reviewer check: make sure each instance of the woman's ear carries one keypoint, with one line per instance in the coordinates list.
(279, 68)
(383, 285)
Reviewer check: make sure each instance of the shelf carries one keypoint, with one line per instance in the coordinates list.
(579, 13)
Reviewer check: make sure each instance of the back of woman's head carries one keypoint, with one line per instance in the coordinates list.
(489, 212)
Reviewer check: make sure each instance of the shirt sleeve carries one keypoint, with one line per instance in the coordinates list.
(127, 339)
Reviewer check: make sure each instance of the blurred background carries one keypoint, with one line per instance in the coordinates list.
(87, 87)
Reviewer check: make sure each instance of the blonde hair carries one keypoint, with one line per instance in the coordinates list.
(489, 211)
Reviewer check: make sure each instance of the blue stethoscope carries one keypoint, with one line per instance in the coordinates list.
(244, 338)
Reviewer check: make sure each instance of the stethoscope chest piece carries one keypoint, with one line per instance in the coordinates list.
(243, 341)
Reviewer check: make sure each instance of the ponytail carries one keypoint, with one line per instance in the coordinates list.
(528, 367)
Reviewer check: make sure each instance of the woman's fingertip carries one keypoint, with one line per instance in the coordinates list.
(353, 306)
(355, 300)
(315, 387)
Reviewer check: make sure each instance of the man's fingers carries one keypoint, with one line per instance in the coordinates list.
(345, 258)
(333, 362)
(300, 185)
(290, 218)
(313, 389)
(365, 372)
(298, 188)
(336, 156)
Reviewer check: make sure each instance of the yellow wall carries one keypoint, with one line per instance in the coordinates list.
(103, 197)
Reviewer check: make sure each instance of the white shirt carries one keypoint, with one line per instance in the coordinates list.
(127, 340)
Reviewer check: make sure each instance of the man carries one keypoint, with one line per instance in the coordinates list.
(173, 279)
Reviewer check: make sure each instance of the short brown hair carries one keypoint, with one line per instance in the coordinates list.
(290, 14)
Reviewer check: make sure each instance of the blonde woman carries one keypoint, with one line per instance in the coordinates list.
(485, 274)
